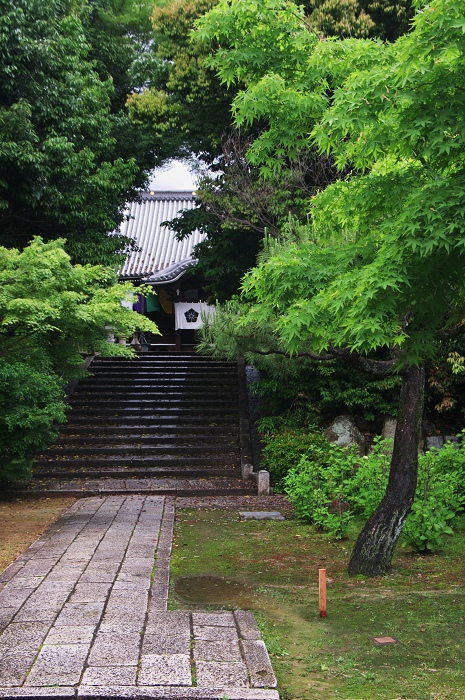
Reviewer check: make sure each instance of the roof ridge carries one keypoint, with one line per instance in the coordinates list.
(167, 194)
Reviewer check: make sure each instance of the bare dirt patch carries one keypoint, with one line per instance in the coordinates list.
(22, 521)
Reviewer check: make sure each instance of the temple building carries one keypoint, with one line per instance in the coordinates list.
(177, 302)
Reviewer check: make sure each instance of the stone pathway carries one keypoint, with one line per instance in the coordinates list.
(83, 614)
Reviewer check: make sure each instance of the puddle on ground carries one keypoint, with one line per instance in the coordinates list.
(212, 590)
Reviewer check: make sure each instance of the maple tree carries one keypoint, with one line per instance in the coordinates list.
(379, 275)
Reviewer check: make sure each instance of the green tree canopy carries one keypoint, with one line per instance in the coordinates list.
(392, 114)
(383, 19)
(186, 105)
(52, 313)
(69, 155)
(383, 274)
(191, 110)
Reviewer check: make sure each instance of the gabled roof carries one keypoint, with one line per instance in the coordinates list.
(161, 257)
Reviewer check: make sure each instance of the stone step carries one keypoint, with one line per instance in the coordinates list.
(97, 461)
(156, 394)
(156, 358)
(138, 450)
(163, 364)
(131, 439)
(165, 424)
(176, 384)
(199, 432)
(161, 401)
(148, 421)
(155, 412)
(62, 470)
(155, 382)
(59, 488)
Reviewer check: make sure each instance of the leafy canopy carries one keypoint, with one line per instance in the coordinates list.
(387, 266)
(184, 102)
(70, 157)
(51, 312)
(63, 309)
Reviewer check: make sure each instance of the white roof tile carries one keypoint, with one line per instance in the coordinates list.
(161, 257)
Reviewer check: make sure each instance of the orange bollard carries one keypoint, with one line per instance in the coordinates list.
(322, 588)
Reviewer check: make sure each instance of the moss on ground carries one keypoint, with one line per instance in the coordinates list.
(421, 603)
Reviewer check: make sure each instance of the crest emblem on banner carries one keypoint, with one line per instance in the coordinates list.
(191, 315)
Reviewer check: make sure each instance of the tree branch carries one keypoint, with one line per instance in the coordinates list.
(314, 356)
(360, 362)
(365, 364)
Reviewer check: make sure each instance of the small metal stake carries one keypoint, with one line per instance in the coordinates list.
(322, 588)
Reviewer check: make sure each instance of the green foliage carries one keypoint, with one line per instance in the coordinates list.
(388, 261)
(238, 208)
(224, 255)
(368, 481)
(317, 488)
(185, 103)
(299, 390)
(360, 18)
(31, 403)
(284, 449)
(51, 314)
(381, 271)
(440, 495)
(70, 157)
(183, 99)
(47, 302)
(426, 526)
(329, 485)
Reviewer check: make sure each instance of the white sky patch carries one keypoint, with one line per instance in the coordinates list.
(174, 177)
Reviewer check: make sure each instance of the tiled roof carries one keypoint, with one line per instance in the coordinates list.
(161, 257)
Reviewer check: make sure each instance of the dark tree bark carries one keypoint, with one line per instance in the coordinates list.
(374, 549)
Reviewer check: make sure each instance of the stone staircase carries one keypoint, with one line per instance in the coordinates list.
(164, 424)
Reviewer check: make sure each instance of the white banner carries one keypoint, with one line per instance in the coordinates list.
(189, 316)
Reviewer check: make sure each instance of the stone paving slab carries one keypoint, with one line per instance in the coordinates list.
(171, 693)
(83, 614)
(261, 515)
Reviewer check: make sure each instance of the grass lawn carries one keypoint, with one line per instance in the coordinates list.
(272, 568)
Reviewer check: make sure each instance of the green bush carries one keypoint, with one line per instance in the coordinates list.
(329, 485)
(317, 488)
(31, 402)
(367, 485)
(297, 391)
(440, 496)
(284, 449)
(333, 484)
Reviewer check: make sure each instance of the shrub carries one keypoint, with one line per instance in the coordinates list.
(297, 391)
(329, 485)
(370, 476)
(31, 401)
(335, 483)
(284, 449)
(317, 488)
(440, 496)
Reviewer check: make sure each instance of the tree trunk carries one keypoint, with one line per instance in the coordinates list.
(374, 549)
